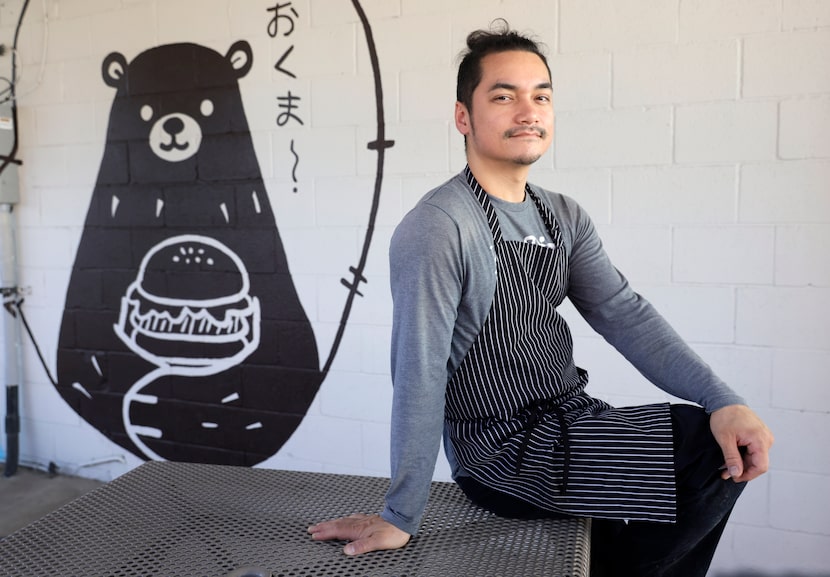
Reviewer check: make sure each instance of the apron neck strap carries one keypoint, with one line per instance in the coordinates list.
(486, 205)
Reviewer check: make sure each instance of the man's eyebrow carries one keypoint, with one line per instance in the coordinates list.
(508, 86)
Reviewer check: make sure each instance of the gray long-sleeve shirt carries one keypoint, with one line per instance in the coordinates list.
(443, 279)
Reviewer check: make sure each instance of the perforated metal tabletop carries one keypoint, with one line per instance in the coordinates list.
(190, 520)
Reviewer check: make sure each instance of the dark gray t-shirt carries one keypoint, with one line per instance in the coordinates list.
(521, 221)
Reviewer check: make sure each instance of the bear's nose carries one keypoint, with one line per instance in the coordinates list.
(173, 125)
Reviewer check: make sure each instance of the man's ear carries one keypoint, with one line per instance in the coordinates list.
(462, 119)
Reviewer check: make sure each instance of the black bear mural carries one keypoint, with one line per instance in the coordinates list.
(183, 337)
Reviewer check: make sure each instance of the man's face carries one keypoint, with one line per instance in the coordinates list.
(512, 116)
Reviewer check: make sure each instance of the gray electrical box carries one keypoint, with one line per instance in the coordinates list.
(9, 183)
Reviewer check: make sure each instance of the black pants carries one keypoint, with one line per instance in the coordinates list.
(643, 549)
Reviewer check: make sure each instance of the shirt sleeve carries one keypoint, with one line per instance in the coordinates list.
(631, 324)
(426, 282)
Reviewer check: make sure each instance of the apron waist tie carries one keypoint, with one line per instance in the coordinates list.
(536, 412)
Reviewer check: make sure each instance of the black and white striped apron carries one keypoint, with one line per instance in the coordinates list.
(519, 419)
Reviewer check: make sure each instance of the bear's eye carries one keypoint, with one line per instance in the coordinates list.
(146, 112)
(206, 107)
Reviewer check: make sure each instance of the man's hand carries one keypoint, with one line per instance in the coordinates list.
(364, 532)
(737, 426)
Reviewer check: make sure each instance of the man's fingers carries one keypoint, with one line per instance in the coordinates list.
(364, 546)
(733, 463)
(345, 528)
(324, 532)
(365, 533)
(744, 440)
(756, 464)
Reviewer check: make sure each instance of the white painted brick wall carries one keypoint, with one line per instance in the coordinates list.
(735, 255)
(792, 453)
(426, 95)
(615, 24)
(693, 131)
(786, 192)
(675, 195)
(701, 314)
(747, 369)
(793, 247)
(766, 551)
(686, 73)
(630, 137)
(645, 254)
(805, 14)
(125, 28)
(170, 15)
(788, 508)
(783, 317)
(799, 379)
(708, 19)
(786, 64)
(581, 81)
(726, 132)
(410, 156)
(352, 93)
(804, 128)
(62, 124)
(590, 187)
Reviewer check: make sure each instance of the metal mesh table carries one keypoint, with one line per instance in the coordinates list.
(189, 520)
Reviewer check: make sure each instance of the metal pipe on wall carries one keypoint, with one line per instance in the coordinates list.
(9, 196)
(11, 335)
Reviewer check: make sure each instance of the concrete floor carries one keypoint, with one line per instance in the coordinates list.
(30, 494)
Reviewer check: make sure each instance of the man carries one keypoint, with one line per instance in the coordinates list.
(479, 351)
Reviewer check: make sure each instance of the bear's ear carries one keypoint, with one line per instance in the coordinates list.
(114, 69)
(241, 57)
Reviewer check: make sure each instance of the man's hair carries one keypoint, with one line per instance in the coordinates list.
(481, 43)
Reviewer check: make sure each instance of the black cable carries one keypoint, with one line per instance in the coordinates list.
(12, 96)
(6, 90)
(16, 305)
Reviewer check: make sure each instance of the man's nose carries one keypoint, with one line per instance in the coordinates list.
(527, 112)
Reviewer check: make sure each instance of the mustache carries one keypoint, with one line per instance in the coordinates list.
(541, 132)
